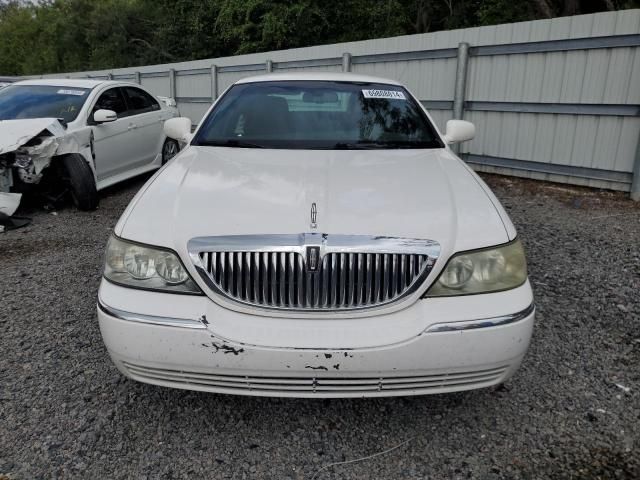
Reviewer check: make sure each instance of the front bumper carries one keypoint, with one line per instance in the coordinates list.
(445, 356)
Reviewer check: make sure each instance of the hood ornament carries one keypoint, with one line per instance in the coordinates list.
(314, 216)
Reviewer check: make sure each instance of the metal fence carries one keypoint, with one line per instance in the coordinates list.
(554, 99)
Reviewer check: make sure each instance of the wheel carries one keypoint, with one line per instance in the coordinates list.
(169, 150)
(80, 182)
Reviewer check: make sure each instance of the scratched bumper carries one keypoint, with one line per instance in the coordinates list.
(197, 358)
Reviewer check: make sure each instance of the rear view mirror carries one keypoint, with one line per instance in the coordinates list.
(320, 97)
(178, 128)
(104, 116)
(459, 131)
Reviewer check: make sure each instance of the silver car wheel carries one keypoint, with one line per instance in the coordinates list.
(169, 150)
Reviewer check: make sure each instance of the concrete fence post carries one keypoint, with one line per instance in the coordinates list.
(268, 66)
(214, 82)
(460, 85)
(635, 182)
(172, 83)
(136, 78)
(346, 62)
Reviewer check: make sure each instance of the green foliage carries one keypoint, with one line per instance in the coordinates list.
(261, 25)
(74, 35)
(492, 12)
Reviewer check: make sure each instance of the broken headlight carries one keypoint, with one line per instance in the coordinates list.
(482, 271)
(146, 267)
(22, 160)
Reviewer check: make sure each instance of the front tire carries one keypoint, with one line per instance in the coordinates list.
(81, 183)
(169, 150)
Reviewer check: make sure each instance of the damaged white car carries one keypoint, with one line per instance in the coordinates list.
(76, 137)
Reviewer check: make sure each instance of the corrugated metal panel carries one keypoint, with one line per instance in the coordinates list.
(590, 141)
(158, 85)
(601, 76)
(427, 79)
(193, 85)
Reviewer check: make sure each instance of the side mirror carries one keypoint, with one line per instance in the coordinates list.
(104, 116)
(178, 128)
(459, 131)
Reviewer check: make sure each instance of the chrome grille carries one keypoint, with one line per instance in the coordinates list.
(351, 272)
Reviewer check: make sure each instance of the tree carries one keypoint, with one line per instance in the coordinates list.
(48, 36)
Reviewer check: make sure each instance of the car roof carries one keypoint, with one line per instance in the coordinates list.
(318, 76)
(70, 82)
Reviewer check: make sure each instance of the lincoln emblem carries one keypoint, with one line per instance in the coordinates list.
(313, 258)
(314, 216)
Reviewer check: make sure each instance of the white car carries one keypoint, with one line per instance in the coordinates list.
(317, 238)
(79, 136)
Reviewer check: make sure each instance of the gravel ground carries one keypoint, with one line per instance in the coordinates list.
(572, 411)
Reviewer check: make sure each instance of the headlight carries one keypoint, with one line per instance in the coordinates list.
(482, 271)
(21, 160)
(150, 268)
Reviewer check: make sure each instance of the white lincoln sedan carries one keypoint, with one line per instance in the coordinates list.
(316, 238)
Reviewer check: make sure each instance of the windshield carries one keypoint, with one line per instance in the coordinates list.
(40, 101)
(317, 115)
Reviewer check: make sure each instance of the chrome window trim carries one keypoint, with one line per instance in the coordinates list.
(150, 319)
(298, 243)
(482, 323)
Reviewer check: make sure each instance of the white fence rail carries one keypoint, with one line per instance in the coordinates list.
(552, 99)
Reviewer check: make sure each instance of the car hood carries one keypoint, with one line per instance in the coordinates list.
(15, 133)
(208, 191)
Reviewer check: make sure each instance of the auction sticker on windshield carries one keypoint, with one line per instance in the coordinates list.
(71, 92)
(383, 94)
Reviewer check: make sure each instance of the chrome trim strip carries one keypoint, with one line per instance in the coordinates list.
(297, 243)
(483, 323)
(150, 319)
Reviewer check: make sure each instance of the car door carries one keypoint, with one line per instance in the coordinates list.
(147, 118)
(112, 140)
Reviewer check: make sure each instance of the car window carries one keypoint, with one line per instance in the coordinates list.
(318, 114)
(41, 101)
(111, 100)
(140, 101)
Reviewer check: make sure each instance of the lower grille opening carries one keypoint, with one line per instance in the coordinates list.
(318, 384)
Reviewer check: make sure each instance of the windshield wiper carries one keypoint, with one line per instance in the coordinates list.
(371, 145)
(350, 146)
(230, 143)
